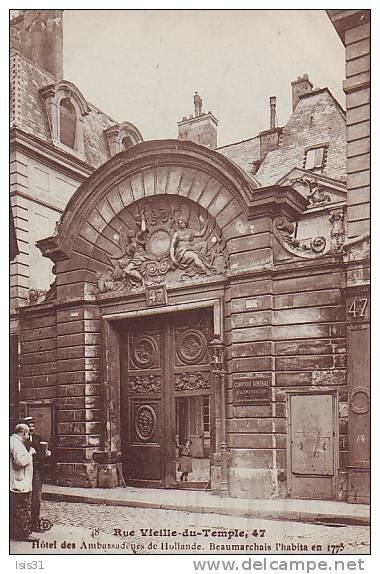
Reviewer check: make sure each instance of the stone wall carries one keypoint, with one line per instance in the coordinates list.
(288, 327)
(357, 88)
(282, 316)
(39, 194)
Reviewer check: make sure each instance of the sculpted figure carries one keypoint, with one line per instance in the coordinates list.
(337, 232)
(133, 256)
(185, 251)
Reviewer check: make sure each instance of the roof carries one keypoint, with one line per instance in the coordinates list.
(244, 152)
(318, 120)
(28, 111)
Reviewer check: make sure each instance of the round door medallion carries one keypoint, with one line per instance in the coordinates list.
(144, 351)
(145, 423)
(360, 401)
(191, 347)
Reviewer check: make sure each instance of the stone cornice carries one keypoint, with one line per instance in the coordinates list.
(277, 201)
(34, 147)
(34, 199)
(51, 247)
(344, 20)
(198, 119)
(283, 271)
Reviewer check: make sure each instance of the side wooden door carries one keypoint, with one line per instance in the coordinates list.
(312, 449)
(143, 398)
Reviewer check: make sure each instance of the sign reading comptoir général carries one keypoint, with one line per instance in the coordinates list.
(250, 391)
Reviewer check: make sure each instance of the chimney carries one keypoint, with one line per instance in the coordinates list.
(300, 86)
(197, 104)
(200, 128)
(270, 139)
(272, 106)
(38, 35)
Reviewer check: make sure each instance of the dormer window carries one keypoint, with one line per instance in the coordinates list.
(122, 137)
(67, 123)
(66, 109)
(315, 158)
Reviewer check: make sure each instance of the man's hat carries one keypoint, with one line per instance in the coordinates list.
(27, 420)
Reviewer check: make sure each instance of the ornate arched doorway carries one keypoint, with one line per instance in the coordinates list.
(143, 245)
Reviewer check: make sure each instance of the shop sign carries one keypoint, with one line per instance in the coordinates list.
(250, 391)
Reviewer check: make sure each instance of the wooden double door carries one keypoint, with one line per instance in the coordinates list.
(166, 397)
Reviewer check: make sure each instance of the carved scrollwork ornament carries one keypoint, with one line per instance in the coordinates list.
(318, 245)
(306, 248)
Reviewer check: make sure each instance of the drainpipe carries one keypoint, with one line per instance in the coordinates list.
(216, 357)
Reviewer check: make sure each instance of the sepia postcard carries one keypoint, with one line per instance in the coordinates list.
(190, 283)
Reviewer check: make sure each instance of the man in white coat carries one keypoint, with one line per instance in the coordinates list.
(21, 478)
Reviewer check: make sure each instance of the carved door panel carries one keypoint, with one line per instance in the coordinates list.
(144, 427)
(312, 440)
(189, 336)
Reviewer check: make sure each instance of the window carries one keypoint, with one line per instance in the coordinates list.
(126, 143)
(67, 123)
(315, 158)
(206, 415)
(66, 109)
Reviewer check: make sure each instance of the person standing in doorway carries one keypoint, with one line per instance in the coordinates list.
(40, 458)
(185, 461)
(21, 479)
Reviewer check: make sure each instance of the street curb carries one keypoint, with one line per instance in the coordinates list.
(290, 515)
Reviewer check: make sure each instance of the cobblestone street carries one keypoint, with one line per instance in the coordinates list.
(97, 529)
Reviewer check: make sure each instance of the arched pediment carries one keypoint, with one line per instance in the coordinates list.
(65, 89)
(165, 179)
(163, 167)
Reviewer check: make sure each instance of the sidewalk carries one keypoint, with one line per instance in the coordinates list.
(204, 502)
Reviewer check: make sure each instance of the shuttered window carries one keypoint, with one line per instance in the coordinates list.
(315, 158)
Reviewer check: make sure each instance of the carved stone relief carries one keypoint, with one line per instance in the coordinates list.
(331, 243)
(36, 295)
(315, 193)
(145, 384)
(163, 239)
(192, 381)
(337, 232)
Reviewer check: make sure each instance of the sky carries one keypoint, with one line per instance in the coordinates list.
(143, 66)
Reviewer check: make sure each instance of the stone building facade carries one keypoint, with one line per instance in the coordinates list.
(46, 165)
(353, 27)
(200, 293)
(57, 139)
